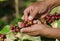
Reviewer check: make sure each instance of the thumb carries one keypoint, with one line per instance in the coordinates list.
(45, 14)
(26, 30)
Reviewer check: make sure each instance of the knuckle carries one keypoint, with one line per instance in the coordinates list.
(26, 10)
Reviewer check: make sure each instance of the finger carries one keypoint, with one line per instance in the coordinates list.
(32, 34)
(31, 10)
(30, 18)
(26, 30)
(20, 24)
(25, 15)
(42, 16)
(45, 14)
(26, 12)
(28, 33)
(33, 14)
(35, 22)
(38, 22)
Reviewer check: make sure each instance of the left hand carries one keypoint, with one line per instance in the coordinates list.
(36, 29)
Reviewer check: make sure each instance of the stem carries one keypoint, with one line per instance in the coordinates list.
(17, 8)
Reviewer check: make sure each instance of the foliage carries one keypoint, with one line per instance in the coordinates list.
(5, 30)
(2, 23)
(2, 0)
(56, 9)
(16, 20)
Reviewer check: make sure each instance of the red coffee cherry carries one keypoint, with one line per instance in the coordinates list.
(15, 28)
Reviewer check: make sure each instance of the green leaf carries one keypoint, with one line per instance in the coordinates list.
(38, 38)
(26, 37)
(5, 30)
(54, 24)
(31, 38)
(55, 10)
(20, 20)
(58, 24)
(11, 36)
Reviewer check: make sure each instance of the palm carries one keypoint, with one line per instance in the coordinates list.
(37, 29)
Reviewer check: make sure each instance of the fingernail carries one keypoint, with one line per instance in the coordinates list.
(38, 22)
(19, 22)
(30, 17)
(35, 22)
(22, 18)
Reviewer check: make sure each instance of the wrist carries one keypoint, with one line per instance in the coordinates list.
(52, 3)
(52, 33)
(47, 32)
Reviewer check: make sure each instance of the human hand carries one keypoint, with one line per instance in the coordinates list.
(34, 9)
(36, 29)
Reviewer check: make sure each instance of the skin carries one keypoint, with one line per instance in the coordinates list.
(41, 8)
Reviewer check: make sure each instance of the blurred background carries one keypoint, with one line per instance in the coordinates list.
(11, 10)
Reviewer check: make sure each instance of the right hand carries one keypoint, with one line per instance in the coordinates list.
(34, 9)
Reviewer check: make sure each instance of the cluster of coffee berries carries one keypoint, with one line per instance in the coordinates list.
(29, 23)
(51, 18)
(2, 37)
(15, 28)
